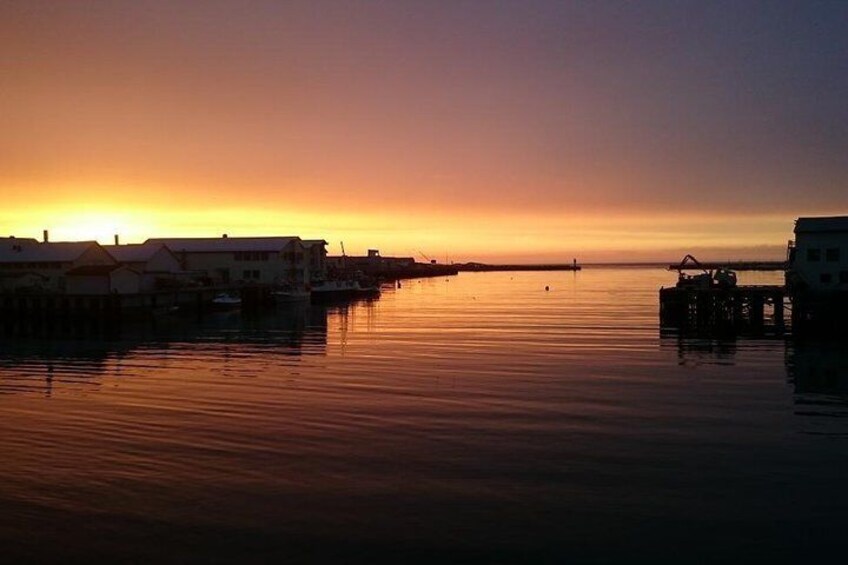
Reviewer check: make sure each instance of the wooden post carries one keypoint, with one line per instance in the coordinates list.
(778, 311)
(757, 310)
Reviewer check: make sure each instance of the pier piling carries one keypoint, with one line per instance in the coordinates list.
(716, 309)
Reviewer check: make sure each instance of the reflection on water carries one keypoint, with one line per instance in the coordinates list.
(475, 419)
(225, 337)
(818, 367)
(700, 350)
(818, 370)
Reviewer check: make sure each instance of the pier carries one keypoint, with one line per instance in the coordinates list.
(69, 315)
(759, 309)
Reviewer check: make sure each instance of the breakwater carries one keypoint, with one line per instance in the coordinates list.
(482, 267)
(390, 273)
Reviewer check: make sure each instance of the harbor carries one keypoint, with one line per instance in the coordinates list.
(83, 288)
(231, 415)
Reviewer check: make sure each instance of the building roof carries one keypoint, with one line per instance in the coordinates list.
(223, 244)
(311, 242)
(15, 251)
(822, 224)
(136, 252)
(18, 240)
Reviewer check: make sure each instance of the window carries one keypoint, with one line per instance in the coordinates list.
(825, 277)
(246, 275)
(832, 254)
(813, 255)
(843, 277)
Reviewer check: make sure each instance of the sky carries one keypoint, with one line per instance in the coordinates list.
(467, 130)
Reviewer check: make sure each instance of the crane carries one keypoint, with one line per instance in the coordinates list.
(425, 256)
(343, 251)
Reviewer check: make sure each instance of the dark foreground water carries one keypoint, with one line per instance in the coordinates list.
(476, 419)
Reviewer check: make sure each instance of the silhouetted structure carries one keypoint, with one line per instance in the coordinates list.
(265, 260)
(817, 276)
(376, 266)
(27, 265)
(711, 302)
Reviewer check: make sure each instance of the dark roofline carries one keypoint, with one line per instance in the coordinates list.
(40, 245)
(177, 245)
(822, 224)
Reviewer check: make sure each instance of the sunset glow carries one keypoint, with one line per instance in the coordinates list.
(465, 131)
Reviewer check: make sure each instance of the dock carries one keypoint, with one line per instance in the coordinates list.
(753, 309)
(69, 315)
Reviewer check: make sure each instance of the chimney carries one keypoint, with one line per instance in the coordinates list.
(224, 236)
(116, 240)
(46, 239)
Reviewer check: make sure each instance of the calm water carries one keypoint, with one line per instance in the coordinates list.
(475, 419)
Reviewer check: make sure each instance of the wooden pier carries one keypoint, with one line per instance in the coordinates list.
(716, 310)
(46, 315)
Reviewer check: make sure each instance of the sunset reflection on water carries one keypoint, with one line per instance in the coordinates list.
(472, 418)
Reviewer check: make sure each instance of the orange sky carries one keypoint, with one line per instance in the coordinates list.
(526, 131)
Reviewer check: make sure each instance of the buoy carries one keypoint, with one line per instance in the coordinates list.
(547, 288)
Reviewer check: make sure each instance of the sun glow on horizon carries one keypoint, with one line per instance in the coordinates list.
(517, 237)
(86, 225)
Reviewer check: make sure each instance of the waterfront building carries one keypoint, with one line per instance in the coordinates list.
(155, 263)
(372, 263)
(316, 259)
(225, 260)
(26, 264)
(818, 258)
(103, 279)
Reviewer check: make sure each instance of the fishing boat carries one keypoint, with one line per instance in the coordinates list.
(290, 294)
(343, 289)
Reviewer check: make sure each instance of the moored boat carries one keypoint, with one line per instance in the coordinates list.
(343, 289)
(289, 294)
(226, 301)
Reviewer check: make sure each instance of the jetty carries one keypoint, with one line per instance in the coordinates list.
(483, 267)
(753, 309)
(712, 302)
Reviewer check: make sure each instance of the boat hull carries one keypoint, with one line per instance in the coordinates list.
(336, 291)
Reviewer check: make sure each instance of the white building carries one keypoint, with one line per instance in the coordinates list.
(26, 263)
(268, 260)
(818, 259)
